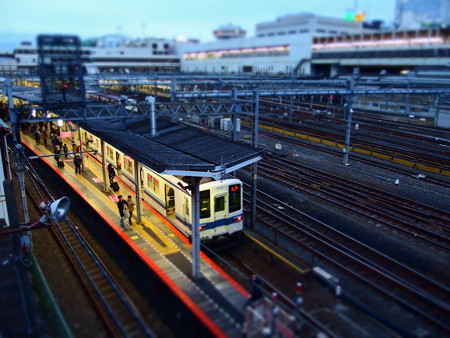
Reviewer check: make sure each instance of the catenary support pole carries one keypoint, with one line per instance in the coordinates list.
(105, 184)
(255, 165)
(348, 118)
(137, 188)
(236, 112)
(195, 200)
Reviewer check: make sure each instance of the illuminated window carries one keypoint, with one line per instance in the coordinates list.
(128, 165)
(205, 204)
(156, 185)
(150, 182)
(243, 52)
(153, 184)
(234, 197)
(110, 153)
(186, 207)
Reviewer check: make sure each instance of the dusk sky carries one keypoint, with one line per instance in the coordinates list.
(23, 20)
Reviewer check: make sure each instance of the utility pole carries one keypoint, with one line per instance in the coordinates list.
(255, 144)
(348, 117)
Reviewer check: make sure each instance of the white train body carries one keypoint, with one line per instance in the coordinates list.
(221, 204)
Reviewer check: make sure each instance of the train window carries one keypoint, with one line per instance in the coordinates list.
(219, 204)
(128, 162)
(156, 186)
(205, 204)
(109, 153)
(234, 197)
(149, 182)
(186, 207)
(153, 184)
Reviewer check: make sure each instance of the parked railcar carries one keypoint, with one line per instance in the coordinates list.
(221, 204)
(113, 99)
(160, 90)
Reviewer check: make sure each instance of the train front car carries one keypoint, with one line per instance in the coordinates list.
(221, 202)
(221, 214)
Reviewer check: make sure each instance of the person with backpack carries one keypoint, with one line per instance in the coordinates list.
(77, 161)
(111, 173)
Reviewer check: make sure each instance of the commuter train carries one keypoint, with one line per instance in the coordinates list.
(149, 89)
(221, 202)
(112, 99)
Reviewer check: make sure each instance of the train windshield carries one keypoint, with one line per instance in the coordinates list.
(205, 204)
(234, 199)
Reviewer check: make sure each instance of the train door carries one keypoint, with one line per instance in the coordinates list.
(220, 211)
(170, 201)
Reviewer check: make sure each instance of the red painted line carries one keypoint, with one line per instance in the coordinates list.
(224, 275)
(174, 287)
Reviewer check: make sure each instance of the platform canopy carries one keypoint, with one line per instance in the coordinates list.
(177, 149)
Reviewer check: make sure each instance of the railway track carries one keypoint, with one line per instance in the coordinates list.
(426, 156)
(411, 290)
(408, 217)
(309, 324)
(118, 313)
(357, 157)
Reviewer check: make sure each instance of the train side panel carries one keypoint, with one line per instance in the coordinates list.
(220, 201)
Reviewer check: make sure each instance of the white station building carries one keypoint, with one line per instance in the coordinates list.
(280, 46)
(301, 44)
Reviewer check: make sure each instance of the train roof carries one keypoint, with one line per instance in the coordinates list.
(177, 149)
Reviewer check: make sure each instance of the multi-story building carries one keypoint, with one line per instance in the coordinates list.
(300, 44)
(105, 55)
(280, 46)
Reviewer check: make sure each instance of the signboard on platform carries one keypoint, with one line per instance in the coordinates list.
(66, 134)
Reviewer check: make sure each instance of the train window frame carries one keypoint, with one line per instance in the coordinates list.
(149, 182)
(187, 209)
(221, 205)
(110, 153)
(128, 164)
(234, 198)
(205, 203)
(156, 185)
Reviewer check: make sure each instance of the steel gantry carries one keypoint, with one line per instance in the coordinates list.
(196, 96)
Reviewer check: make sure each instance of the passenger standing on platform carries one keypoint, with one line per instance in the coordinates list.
(65, 149)
(57, 152)
(55, 143)
(121, 205)
(60, 142)
(45, 136)
(112, 173)
(77, 161)
(37, 136)
(130, 208)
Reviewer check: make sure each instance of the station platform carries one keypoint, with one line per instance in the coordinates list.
(216, 298)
